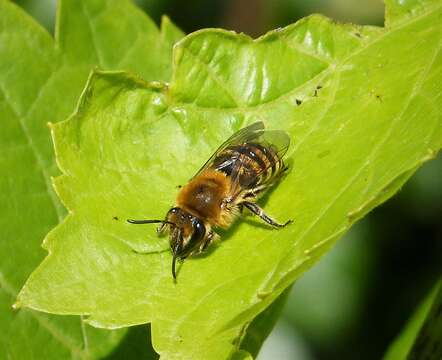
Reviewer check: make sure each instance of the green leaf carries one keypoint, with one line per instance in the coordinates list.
(262, 325)
(421, 335)
(362, 106)
(134, 346)
(40, 81)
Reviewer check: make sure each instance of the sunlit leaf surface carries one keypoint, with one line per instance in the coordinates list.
(40, 80)
(362, 106)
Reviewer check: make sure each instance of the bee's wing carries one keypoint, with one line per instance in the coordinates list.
(277, 141)
(247, 134)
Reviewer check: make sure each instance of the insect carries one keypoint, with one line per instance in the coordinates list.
(242, 168)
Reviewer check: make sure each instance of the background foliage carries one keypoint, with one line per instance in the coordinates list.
(40, 81)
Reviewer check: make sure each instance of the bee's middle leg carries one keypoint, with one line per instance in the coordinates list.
(209, 238)
(253, 193)
(260, 212)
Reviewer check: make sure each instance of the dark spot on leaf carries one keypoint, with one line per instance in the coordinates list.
(357, 34)
(298, 102)
(323, 154)
(179, 186)
(319, 87)
(115, 217)
(379, 97)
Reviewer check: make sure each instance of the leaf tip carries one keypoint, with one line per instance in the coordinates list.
(165, 20)
(17, 305)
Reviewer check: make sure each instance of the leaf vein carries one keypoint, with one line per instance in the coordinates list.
(38, 158)
(214, 77)
(304, 50)
(374, 150)
(93, 34)
(46, 324)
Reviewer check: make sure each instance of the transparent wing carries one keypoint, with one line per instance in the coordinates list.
(242, 136)
(273, 142)
(277, 140)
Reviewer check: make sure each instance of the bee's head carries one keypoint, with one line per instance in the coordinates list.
(186, 234)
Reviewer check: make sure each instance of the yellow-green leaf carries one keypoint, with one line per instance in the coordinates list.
(362, 106)
(41, 79)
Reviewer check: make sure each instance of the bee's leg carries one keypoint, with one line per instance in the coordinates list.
(260, 212)
(209, 238)
(161, 229)
(147, 252)
(252, 193)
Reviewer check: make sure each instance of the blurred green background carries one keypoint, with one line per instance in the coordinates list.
(356, 300)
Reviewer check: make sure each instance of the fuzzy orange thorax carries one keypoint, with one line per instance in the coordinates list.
(204, 195)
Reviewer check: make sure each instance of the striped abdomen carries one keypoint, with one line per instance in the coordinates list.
(251, 164)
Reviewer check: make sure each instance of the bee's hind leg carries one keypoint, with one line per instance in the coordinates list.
(260, 212)
(253, 193)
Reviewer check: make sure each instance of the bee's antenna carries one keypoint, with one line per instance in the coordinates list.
(150, 222)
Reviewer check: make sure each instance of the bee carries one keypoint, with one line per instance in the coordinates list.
(233, 178)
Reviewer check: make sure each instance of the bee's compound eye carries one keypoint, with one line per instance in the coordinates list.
(174, 210)
(199, 230)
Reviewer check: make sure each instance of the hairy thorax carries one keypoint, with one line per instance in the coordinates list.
(203, 196)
